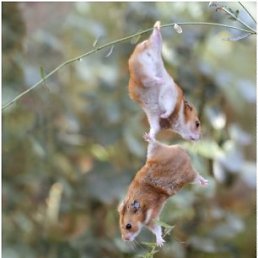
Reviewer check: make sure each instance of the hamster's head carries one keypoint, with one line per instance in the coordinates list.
(192, 125)
(131, 219)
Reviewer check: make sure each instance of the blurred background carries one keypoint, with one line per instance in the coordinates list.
(71, 147)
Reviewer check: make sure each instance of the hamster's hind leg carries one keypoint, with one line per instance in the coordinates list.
(167, 104)
(153, 146)
(153, 120)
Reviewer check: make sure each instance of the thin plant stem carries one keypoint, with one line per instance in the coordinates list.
(237, 19)
(208, 24)
(111, 44)
(250, 15)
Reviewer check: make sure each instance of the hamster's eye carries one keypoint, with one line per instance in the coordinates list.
(197, 124)
(128, 226)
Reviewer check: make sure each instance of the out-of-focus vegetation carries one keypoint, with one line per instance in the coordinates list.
(71, 147)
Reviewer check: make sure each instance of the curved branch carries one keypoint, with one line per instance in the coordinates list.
(111, 44)
(237, 19)
(250, 15)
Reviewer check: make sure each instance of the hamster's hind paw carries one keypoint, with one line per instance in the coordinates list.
(201, 181)
(157, 25)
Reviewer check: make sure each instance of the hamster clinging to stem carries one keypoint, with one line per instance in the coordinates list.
(166, 171)
(155, 91)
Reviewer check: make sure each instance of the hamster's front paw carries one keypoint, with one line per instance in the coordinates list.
(159, 80)
(160, 241)
(147, 137)
(165, 115)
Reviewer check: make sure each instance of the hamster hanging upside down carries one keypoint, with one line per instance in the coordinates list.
(155, 91)
(167, 170)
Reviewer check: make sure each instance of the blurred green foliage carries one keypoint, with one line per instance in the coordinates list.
(71, 147)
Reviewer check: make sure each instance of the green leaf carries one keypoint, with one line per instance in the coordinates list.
(163, 224)
(43, 76)
(42, 73)
(150, 244)
(135, 39)
(206, 148)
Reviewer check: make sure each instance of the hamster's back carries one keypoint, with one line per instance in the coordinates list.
(170, 168)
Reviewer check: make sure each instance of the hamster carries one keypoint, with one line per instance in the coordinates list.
(166, 171)
(155, 91)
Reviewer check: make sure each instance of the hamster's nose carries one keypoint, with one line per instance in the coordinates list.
(127, 237)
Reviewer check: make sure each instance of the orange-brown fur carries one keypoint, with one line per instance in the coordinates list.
(190, 113)
(167, 170)
(136, 76)
(155, 91)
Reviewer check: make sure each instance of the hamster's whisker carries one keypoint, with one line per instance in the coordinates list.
(130, 244)
(142, 246)
(180, 241)
(137, 243)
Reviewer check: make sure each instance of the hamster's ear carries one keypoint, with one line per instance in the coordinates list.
(135, 205)
(121, 206)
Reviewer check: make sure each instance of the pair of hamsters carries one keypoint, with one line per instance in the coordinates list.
(168, 168)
